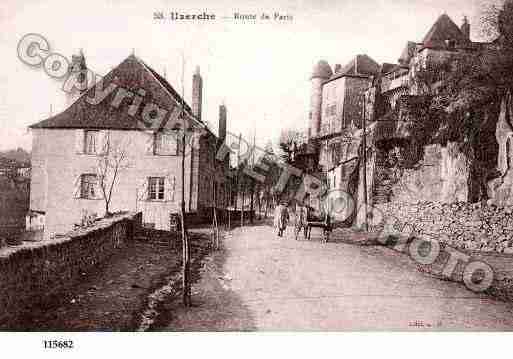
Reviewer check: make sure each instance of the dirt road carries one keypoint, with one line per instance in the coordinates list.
(260, 282)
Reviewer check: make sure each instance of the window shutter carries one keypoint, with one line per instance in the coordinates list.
(142, 190)
(77, 186)
(173, 146)
(103, 141)
(195, 140)
(150, 142)
(79, 141)
(169, 188)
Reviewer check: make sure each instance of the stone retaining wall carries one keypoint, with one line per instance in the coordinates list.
(461, 225)
(33, 273)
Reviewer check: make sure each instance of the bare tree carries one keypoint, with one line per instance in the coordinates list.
(289, 141)
(271, 177)
(112, 160)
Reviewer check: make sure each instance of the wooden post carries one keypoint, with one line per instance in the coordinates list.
(253, 182)
(229, 207)
(185, 241)
(186, 292)
(242, 207)
(215, 229)
(237, 176)
(364, 142)
(259, 217)
(266, 205)
(251, 205)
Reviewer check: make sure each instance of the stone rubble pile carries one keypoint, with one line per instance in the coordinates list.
(460, 225)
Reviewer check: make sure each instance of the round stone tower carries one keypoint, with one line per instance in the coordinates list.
(321, 72)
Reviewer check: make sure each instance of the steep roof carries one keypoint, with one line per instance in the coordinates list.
(387, 68)
(408, 52)
(443, 29)
(361, 65)
(132, 75)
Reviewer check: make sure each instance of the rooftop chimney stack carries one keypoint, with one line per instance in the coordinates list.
(197, 93)
(465, 28)
(222, 123)
(77, 69)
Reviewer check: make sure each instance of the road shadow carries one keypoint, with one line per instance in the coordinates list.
(215, 306)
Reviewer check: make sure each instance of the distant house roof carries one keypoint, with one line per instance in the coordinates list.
(12, 163)
(133, 75)
(443, 29)
(387, 68)
(361, 65)
(407, 53)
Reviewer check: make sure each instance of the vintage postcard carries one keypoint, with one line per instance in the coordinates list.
(276, 166)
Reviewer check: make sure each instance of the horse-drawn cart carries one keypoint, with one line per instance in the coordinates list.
(323, 223)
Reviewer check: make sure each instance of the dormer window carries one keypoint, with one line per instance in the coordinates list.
(451, 43)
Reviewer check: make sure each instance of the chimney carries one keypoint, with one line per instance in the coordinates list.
(465, 28)
(197, 93)
(222, 123)
(77, 69)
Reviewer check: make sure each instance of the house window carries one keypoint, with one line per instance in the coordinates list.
(91, 142)
(89, 186)
(451, 43)
(166, 144)
(156, 188)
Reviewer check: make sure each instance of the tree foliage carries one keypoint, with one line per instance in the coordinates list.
(464, 89)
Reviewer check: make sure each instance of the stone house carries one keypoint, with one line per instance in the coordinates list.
(336, 116)
(135, 114)
(342, 96)
(437, 171)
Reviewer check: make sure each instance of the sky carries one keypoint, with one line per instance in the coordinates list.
(259, 69)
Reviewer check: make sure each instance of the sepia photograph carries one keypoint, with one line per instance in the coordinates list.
(287, 166)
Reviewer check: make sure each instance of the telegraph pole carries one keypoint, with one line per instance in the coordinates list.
(240, 183)
(364, 142)
(253, 182)
(186, 289)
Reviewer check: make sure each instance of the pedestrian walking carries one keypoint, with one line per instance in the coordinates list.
(281, 218)
(301, 218)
